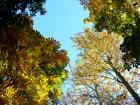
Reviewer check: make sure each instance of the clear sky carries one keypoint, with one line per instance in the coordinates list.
(63, 19)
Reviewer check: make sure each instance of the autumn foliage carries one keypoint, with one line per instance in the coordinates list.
(32, 67)
(107, 70)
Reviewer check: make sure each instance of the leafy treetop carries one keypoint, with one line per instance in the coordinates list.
(121, 17)
(11, 10)
(32, 67)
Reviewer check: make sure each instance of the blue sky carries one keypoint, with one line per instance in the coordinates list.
(63, 19)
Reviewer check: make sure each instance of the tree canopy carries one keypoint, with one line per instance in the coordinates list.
(100, 66)
(11, 10)
(100, 50)
(32, 67)
(121, 17)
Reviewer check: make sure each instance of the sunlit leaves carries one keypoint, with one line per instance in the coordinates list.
(97, 48)
(121, 17)
(99, 56)
(108, 15)
(32, 68)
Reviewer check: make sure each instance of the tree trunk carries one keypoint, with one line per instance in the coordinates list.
(127, 85)
(99, 99)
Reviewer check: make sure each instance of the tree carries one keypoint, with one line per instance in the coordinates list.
(100, 55)
(32, 68)
(84, 91)
(12, 10)
(101, 90)
(121, 17)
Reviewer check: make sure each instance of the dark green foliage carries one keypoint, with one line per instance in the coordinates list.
(131, 46)
(12, 10)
